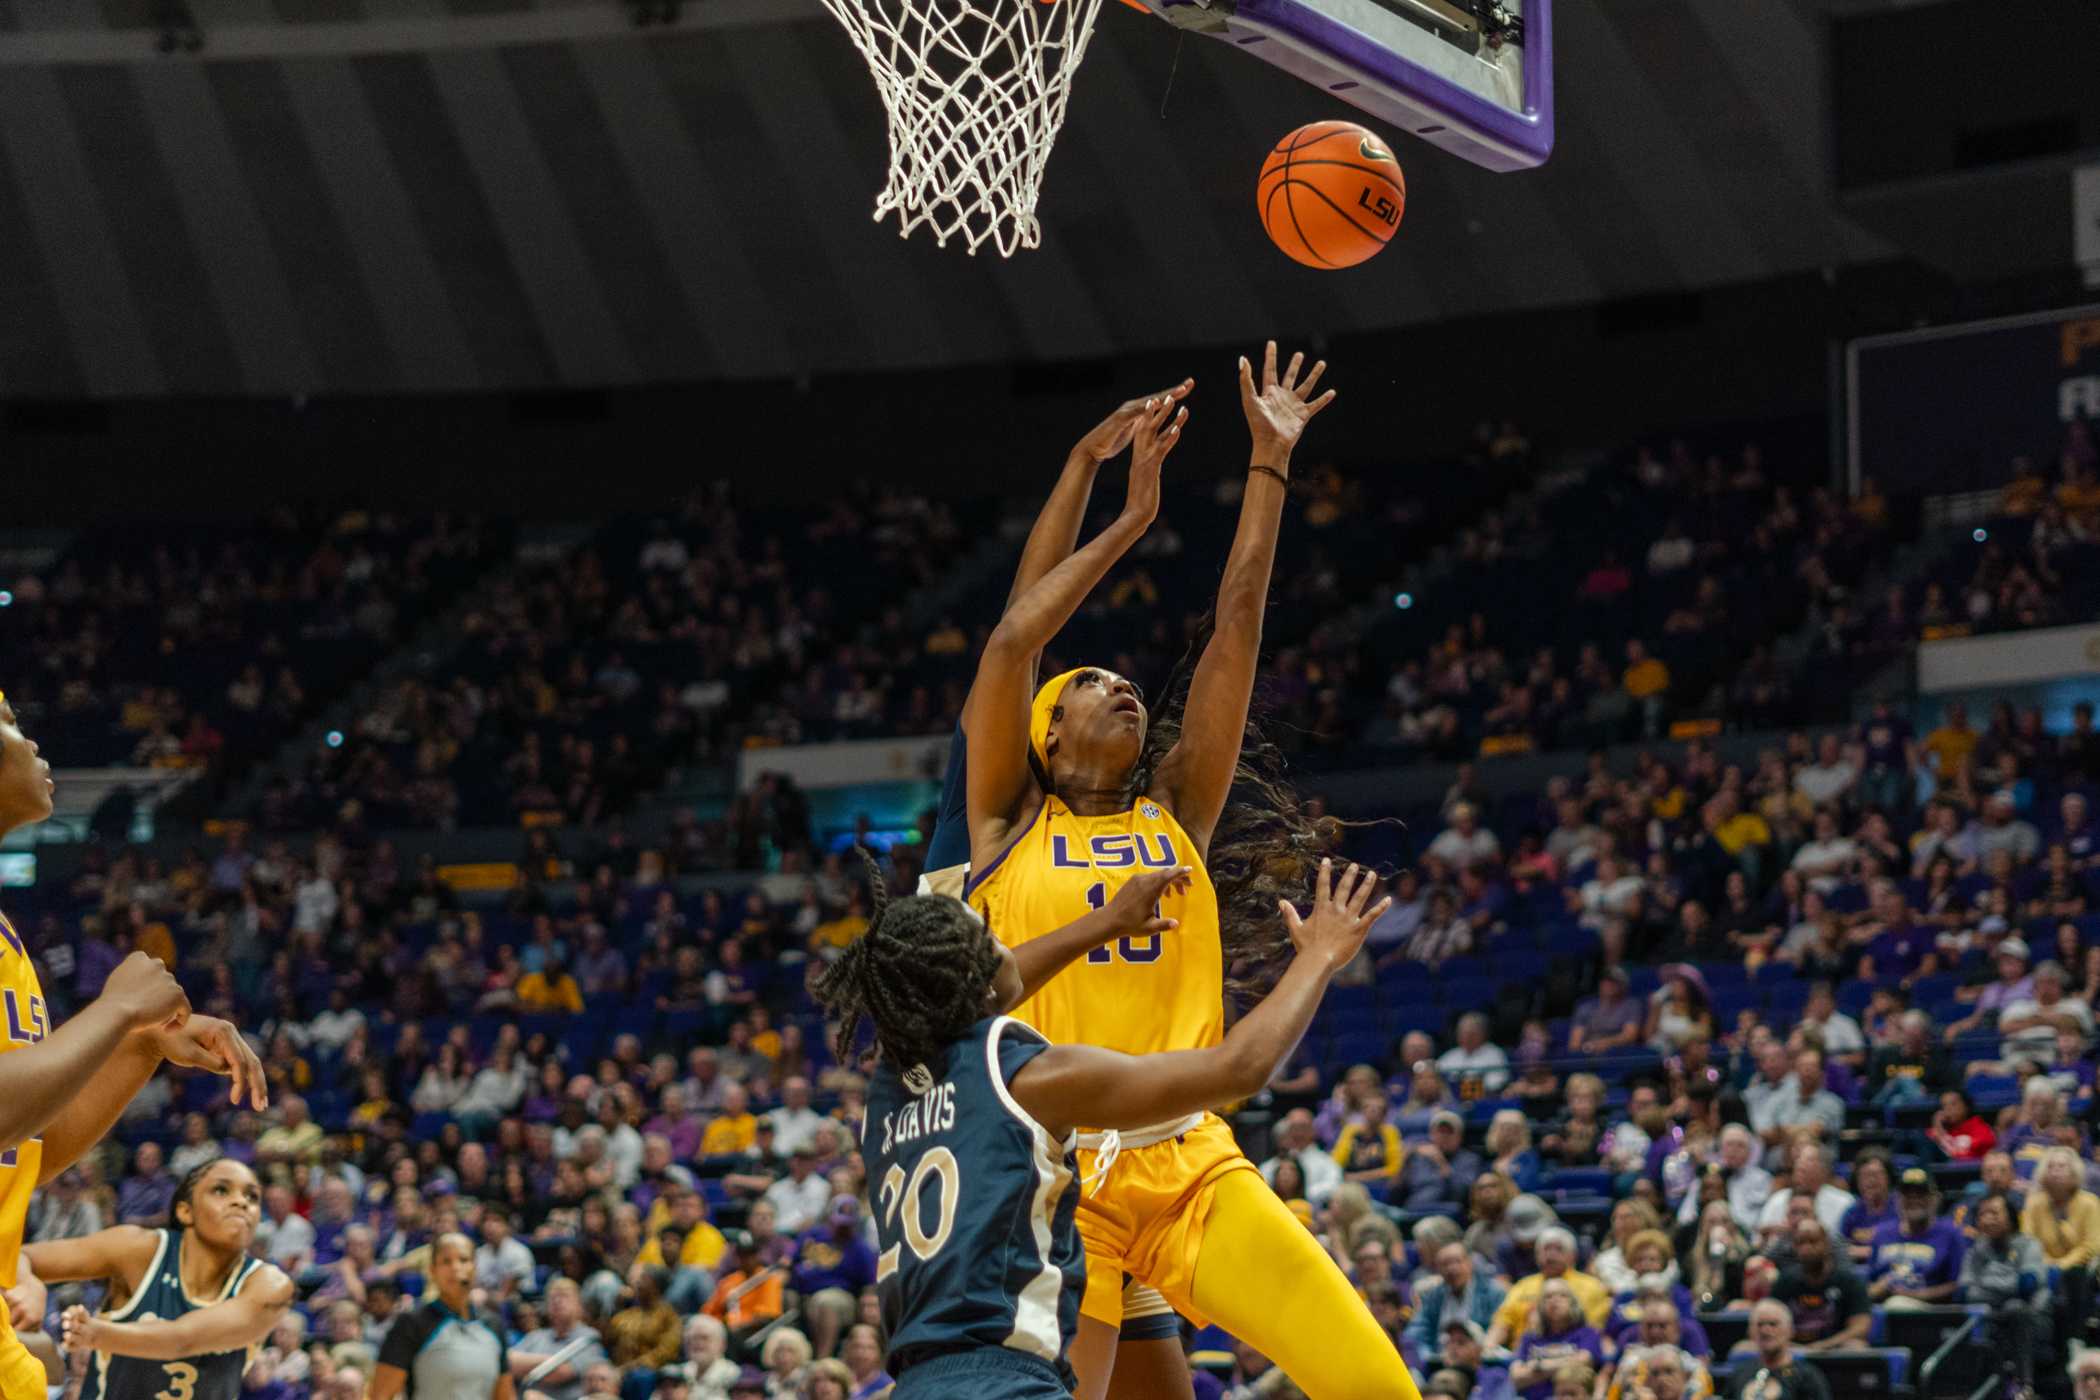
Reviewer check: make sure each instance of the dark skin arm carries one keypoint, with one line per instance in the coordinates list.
(995, 725)
(41, 1084)
(1195, 778)
(238, 1322)
(1130, 912)
(1055, 533)
(1069, 1085)
(205, 1042)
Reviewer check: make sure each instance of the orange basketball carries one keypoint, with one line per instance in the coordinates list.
(1331, 194)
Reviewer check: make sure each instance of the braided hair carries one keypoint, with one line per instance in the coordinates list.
(1266, 846)
(918, 975)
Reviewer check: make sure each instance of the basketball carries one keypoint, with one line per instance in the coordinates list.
(1331, 194)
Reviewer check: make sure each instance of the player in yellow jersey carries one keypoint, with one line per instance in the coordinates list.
(1071, 790)
(61, 1088)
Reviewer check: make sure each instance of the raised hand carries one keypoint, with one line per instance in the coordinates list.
(1336, 927)
(1157, 430)
(1135, 909)
(206, 1042)
(1280, 406)
(1112, 434)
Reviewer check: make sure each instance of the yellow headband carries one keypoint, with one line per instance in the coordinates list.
(1039, 715)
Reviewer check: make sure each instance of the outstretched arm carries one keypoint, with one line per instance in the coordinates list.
(204, 1042)
(1134, 910)
(1196, 776)
(237, 1323)
(1056, 530)
(995, 725)
(1069, 1085)
(121, 1252)
(41, 1084)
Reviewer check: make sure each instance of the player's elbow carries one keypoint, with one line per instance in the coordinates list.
(1245, 1075)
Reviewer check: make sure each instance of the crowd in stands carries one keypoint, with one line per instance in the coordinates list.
(2034, 563)
(583, 677)
(158, 647)
(1769, 1054)
(1640, 593)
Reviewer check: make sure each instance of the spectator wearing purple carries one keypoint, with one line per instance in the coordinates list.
(1610, 1020)
(600, 969)
(1919, 1255)
(1558, 1333)
(2014, 983)
(677, 1124)
(96, 958)
(833, 1263)
(146, 1196)
(1900, 947)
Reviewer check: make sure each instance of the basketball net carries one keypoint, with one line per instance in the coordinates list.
(975, 91)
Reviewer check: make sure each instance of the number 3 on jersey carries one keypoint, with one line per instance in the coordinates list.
(939, 1165)
(1134, 950)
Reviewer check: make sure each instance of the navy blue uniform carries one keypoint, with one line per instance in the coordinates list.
(1146, 1315)
(947, 864)
(980, 1268)
(161, 1297)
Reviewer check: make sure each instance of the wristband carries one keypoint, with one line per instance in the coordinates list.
(1281, 479)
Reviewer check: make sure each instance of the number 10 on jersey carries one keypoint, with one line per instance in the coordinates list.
(1141, 949)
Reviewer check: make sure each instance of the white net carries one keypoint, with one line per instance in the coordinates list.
(976, 92)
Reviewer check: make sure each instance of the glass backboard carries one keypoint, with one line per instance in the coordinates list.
(1472, 76)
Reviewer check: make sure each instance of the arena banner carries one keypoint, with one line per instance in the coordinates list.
(2008, 658)
(848, 763)
(1941, 411)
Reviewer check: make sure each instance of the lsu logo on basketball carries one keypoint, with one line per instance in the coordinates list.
(1381, 207)
(1116, 850)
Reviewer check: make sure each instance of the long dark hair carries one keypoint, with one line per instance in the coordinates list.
(1266, 846)
(919, 975)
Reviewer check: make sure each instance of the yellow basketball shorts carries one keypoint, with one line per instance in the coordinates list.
(1145, 1218)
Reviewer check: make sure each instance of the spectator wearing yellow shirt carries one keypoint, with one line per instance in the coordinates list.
(2062, 1215)
(685, 1208)
(549, 990)
(735, 1129)
(1646, 682)
(1556, 1256)
(833, 936)
(1953, 744)
(152, 937)
(649, 1333)
(1736, 829)
(764, 1039)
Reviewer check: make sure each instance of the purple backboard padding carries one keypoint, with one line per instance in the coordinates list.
(1479, 130)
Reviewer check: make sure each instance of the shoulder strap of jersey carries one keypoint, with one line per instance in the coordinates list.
(145, 1284)
(998, 1031)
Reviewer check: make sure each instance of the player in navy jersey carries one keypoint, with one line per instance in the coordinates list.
(969, 1130)
(187, 1305)
(1140, 1372)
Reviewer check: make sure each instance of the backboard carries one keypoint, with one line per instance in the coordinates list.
(1472, 76)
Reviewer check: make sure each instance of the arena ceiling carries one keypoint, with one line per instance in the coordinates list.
(375, 195)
